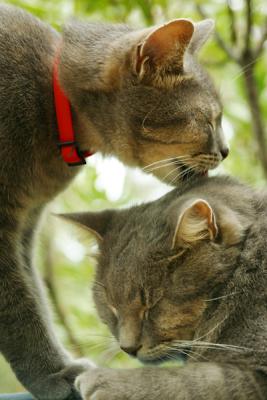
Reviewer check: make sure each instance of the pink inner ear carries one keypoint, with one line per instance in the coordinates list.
(203, 209)
(140, 60)
(175, 34)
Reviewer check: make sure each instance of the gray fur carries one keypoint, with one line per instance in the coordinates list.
(207, 300)
(109, 104)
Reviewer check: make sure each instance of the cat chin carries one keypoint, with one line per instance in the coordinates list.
(188, 178)
(178, 356)
(187, 174)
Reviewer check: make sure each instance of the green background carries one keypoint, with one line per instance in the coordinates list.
(66, 263)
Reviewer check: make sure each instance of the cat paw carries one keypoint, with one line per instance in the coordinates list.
(89, 383)
(60, 386)
(108, 384)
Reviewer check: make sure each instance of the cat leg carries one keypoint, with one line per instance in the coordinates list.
(26, 338)
(28, 235)
(195, 381)
(27, 252)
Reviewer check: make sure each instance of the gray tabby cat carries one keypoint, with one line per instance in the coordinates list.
(184, 276)
(138, 95)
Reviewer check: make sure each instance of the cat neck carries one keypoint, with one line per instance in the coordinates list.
(86, 136)
(83, 66)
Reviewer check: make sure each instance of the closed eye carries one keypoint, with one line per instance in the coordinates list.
(151, 126)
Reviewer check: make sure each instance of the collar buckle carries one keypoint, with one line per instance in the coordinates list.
(71, 153)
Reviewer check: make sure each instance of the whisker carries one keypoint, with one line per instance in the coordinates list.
(210, 331)
(181, 350)
(167, 159)
(196, 355)
(109, 355)
(199, 355)
(180, 174)
(88, 346)
(244, 69)
(165, 163)
(183, 173)
(170, 356)
(188, 355)
(161, 166)
(222, 297)
(169, 173)
(93, 334)
(224, 346)
(213, 346)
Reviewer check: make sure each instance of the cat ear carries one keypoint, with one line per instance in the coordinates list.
(202, 32)
(197, 222)
(94, 222)
(232, 225)
(164, 44)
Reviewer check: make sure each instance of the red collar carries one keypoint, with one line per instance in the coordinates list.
(69, 148)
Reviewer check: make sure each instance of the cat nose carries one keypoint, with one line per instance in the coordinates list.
(224, 152)
(132, 351)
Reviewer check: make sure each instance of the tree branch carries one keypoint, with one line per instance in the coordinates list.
(232, 23)
(146, 8)
(249, 23)
(262, 41)
(228, 50)
(215, 64)
(257, 121)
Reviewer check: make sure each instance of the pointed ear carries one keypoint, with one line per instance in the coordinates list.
(202, 32)
(232, 225)
(197, 222)
(165, 44)
(96, 223)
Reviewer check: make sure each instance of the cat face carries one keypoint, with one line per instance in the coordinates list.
(152, 103)
(172, 108)
(159, 263)
(176, 133)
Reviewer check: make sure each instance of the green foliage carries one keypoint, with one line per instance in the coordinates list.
(71, 277)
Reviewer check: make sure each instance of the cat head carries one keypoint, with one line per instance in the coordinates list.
(160, 262)
(145, 92)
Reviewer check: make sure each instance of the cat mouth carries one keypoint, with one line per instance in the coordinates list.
(198, 167)
(187, 172)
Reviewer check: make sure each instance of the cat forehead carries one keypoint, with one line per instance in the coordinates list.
(137, 272)
(135, 294)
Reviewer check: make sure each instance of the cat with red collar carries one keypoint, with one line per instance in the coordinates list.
(139, 95)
